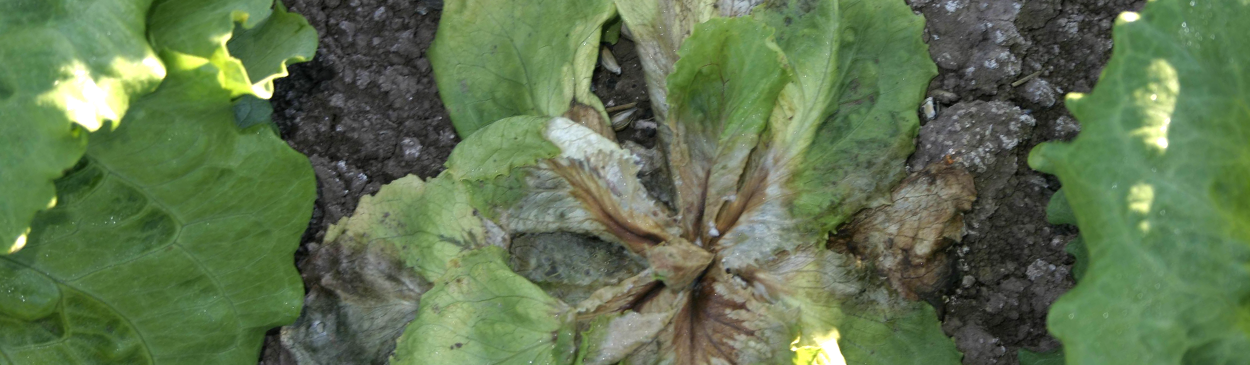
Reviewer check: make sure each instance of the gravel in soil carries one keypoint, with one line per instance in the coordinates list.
(366, 111)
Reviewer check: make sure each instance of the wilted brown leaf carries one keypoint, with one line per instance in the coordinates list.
(906, 239)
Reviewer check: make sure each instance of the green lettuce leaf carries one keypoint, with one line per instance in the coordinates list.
(494, 59)
(267, 48)
(359, 300)
(67, 68)
(375, 265)
(860, 320)
(850, 114)
(202, 29)
(1157, 183)
(429, 223)
(481, 312)
(658, 28)
(721, 93)
(72, 65)
(172, 241)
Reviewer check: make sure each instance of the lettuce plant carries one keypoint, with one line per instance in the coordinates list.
(540, 244)
(1157, 183)
(172, 211)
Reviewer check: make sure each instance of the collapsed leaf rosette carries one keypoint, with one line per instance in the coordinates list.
(1156, 181)
(544, 246)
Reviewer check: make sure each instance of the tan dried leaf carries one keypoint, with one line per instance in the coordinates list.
(906, 240)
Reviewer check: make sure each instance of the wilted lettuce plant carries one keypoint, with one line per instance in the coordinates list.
(540, 244)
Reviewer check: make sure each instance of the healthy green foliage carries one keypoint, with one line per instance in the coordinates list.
(203, 28)
(495, 60)
(1156, 181)
(172, 237)
(1041, 358)
(265, 49)
(66, 68)
(70, 66)
(777, 123)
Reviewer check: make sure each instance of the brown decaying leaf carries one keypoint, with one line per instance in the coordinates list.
(360, 298)
(586, 115)
(676, 260)
(906, 240)
(719, 320)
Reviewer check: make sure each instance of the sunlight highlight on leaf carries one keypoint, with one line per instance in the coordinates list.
(1157, 100)
(20, 242)
(824, 352)
(1139, 197)
(1159, 165)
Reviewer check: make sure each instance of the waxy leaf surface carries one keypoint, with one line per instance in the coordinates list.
(66, 68)
(172, 237)
(495, 60)
(1156, 181)
(172, 241)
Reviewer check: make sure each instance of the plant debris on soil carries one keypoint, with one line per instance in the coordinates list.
(366, 111)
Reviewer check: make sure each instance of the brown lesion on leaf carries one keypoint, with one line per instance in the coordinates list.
(570, 266)
(703, 313)
(590, 117)
(365, 290)
(675, 260)
(638, 232)
(703, 327)
(907, 239)
(678, 262)
(718, 320)
(627, 295)
(750, 195)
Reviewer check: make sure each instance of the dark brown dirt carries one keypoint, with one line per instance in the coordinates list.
(990, 113)
(366, 111)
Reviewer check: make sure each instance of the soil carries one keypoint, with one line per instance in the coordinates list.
(366, 111)
(1004, 67)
